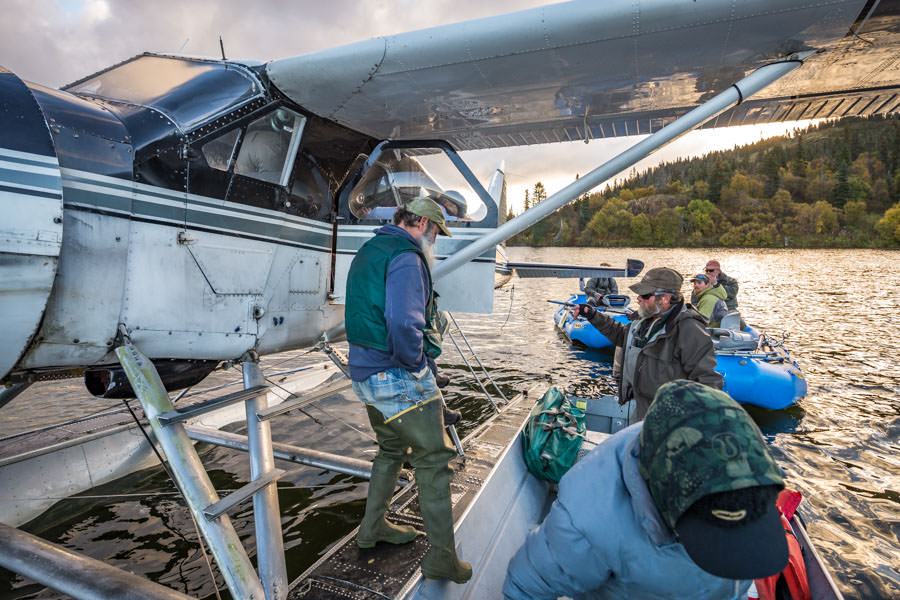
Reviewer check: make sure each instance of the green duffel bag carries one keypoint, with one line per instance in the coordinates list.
(552, 436)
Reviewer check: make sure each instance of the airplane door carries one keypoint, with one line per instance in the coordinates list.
(32, 225)
(397, 172)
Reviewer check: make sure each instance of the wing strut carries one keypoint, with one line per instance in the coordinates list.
(738, 92)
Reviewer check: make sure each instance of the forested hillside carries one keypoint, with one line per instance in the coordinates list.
(831, 185)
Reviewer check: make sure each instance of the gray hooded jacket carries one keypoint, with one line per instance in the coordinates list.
(605, 538)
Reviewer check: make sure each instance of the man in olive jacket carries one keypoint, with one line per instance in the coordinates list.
(668, 341)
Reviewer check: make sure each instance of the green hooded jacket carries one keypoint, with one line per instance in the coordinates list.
(707, 299)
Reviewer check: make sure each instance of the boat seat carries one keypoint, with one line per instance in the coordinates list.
(729, 339)
(731, 321)
(616, 300)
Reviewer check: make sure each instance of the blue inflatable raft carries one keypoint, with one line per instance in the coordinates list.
(580, 330)
(757, 369)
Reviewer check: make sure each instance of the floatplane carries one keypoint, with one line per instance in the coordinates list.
(170, 214)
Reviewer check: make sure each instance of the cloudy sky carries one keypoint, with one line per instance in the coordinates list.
(54, 42)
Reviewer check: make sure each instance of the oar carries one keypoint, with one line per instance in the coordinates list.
(568, 304)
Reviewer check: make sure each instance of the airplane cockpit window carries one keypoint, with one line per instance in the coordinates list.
(219, 152)
(398, 176)
(188, 91)
(269, 146)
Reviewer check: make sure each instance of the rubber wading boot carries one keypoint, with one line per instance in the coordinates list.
(433, 480)
(375, 527)
(441, 561)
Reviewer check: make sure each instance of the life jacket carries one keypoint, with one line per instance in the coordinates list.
(791, 583)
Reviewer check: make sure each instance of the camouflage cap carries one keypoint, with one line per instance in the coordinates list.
(697, 442)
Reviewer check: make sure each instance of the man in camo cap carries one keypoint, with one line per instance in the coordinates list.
(713, 480)
(680, 505)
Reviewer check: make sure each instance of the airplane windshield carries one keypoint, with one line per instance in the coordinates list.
(188, 91)
(399, 175)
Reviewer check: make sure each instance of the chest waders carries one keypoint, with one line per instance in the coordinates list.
(420, 429)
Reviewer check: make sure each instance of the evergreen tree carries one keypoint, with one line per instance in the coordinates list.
(842, 192)
(798, 162)
(721, 175)
(770, 169)
(540, 194)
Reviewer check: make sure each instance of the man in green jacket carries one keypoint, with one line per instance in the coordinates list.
(391, 318)
(668, 341)
(706, 297)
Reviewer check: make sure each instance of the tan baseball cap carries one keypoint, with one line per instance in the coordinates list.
(426, 207)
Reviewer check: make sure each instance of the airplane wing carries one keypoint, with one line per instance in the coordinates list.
(523, 269)
(589, 69)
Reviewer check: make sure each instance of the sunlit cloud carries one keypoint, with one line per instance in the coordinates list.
(96, 11)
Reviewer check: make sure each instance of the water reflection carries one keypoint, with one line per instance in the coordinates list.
(773, 422)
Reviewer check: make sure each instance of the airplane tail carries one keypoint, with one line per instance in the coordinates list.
(497, 189)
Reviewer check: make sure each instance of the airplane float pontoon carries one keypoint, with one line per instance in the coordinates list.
(170, 213)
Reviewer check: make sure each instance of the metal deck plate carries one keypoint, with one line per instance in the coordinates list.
(387, 571)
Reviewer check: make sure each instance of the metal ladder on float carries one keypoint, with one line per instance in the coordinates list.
(209, 511)
(459, 339)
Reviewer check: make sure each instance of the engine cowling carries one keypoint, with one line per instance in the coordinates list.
(31, 226)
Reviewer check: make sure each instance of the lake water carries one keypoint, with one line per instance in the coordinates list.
(839, 447)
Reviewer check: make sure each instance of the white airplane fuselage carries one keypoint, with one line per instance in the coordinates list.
(206, 231)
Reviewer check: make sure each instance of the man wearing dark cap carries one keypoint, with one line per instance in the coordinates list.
(668, 341)
(391, 320)
(597, 287)
(679, 506)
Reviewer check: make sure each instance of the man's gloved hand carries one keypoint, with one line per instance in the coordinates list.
(584, 310)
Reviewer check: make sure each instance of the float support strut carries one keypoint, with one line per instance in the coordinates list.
(74, 574)
(266, 513)
(190, 474)
(8, 393)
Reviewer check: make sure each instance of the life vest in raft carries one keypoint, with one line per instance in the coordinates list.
(791, 583)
